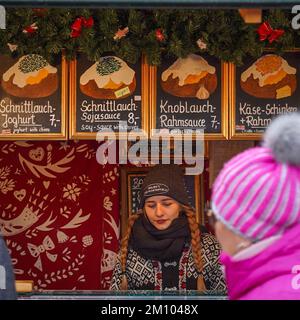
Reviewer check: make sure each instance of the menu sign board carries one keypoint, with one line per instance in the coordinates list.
(107, 95)
(189, 94)
(32, 98)
(263, 89)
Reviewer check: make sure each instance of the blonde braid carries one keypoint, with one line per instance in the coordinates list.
(124, 248)
(196, 245)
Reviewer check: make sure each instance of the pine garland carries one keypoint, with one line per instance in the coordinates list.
(224, 32)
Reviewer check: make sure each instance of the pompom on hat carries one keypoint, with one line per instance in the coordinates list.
(257, 193)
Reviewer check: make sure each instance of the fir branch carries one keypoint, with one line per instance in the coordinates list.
(224, 31)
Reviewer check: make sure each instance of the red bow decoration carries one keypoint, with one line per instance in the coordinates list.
(265, 31)
(79, 23)
(30, 29)
(40, 12)
(159, 35)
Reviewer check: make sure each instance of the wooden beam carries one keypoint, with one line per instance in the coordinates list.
(251, 15)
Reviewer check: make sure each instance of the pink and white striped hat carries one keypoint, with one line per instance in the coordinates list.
(257, 193)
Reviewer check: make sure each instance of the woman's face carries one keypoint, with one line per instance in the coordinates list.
(229, 241)
(161, 211)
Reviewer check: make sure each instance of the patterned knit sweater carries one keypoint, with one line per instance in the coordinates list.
(181, 274)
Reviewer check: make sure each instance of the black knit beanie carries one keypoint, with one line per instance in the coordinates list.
(167, 180)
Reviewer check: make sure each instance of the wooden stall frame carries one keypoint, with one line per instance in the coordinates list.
(73, 134)
(126, 209)
(224, 104)
(232, 101)
(63, 135)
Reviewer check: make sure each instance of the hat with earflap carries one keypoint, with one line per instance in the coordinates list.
(257, 193)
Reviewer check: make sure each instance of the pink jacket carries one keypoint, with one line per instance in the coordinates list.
(272, 274)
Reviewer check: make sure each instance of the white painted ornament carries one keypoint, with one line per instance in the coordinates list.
(201, 44)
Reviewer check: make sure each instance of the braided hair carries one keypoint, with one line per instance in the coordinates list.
(195, 242)
(124, 247)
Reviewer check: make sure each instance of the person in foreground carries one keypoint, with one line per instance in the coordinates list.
(256, 207)
(7, 279)
(164, 248)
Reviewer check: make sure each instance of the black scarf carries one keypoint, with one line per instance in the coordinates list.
(162, 245)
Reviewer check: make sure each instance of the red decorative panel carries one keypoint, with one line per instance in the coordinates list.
(59, 213)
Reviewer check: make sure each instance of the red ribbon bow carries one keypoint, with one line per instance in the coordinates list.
(265, 31)
(30, 29)
(79, 23)
(159, 35)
